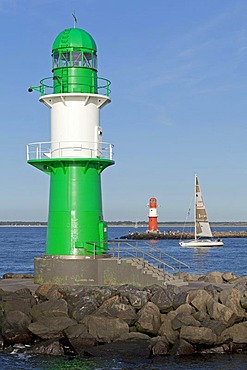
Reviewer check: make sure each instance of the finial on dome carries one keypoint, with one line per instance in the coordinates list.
(75, 19)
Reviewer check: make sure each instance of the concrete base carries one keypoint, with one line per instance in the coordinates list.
(81, 271)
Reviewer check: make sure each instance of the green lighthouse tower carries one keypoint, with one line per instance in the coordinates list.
(76, 156)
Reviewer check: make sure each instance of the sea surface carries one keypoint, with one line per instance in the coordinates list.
(19, 246)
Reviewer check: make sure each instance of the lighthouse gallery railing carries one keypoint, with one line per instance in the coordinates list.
(69, 149)
(102, 88)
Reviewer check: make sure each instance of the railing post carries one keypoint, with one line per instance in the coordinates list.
(118, 252)
(111, 152)
(143, 262)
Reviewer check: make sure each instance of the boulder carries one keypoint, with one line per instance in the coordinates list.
(51, 327)
(151, 289)
(240, 283)
(185, 308)
(15, 327)
(188, 277)
(215, 325)
(20, 300)
(124, 349)
(184, 319)
(86, 293)
(243, 302)
(218, 311)
(240, 279)
(213, 290)
(180, 299)
(159, 346)
(51, 308)
(1, 343)
(51, 347)
(17, 304)
(115, 308)
(11, 275)
(231, 298)
(217, 350)
(173, 290)
(162, 299)
(79, 338)
(198, 335)
(166, 329)
(227, 276)
(148, 319)
(48, 291)
(182, 348)
(105, 329)
(84, 307)
(133, 336)
(237, 332)
(199, 299)
(214, 277)
(201, 316)
(136, 297)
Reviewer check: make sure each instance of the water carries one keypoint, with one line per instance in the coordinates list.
(19, 246)
(200, 362)
(231, 257)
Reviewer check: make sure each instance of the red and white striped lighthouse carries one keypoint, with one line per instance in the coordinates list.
(152, 215)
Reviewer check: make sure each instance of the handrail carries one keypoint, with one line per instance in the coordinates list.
(106, 86)
(144, 253)
(43, 85)
(137, 250)
(166, 254)
(66, 149)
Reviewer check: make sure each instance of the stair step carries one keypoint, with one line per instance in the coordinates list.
(147, 272)
(160, 278)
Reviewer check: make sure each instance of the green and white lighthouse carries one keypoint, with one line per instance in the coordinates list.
(76, 155)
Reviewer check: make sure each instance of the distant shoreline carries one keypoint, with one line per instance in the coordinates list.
(127, 224)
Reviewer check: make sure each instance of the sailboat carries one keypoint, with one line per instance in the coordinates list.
(202, 227)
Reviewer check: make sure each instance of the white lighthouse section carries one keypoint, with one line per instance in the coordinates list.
(152, 212)
(75, 124)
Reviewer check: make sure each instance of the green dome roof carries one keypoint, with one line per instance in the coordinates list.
(74, 38)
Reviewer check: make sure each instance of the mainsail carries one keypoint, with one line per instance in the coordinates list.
(202, 227)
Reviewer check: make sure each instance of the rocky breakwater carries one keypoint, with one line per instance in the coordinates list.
(176, 234)
(118, 321)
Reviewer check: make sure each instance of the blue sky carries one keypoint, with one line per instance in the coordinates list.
(179, 91)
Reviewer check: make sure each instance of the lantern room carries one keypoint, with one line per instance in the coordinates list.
(74, 62)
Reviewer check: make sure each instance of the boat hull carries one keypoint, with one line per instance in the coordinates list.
(202, 243)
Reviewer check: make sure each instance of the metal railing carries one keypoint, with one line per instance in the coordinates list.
(122, 249)
(103, 86)
(166, 255)
(69, 149)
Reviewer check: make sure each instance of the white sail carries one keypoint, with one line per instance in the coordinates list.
(202, 227)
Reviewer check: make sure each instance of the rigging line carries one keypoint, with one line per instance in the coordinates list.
(187, 216)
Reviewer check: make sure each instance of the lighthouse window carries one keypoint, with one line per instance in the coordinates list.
(94, 61)
(77, 58)
(87, 60)
(55, 60)
(65, 61)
